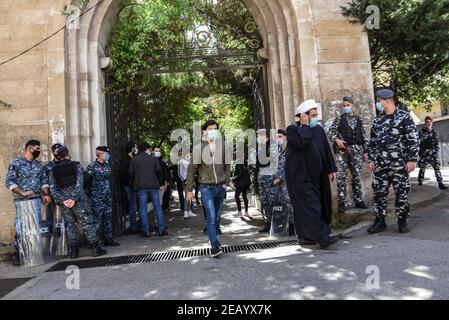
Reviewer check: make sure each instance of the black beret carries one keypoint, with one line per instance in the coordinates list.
(282, 131)
(384, 94)
(103, 148)
(348, 99)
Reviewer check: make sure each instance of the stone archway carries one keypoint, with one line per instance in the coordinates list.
(282, 27)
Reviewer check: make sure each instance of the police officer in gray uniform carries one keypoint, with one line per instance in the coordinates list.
(67, 189)
(27, 180)
(99, 175)
(350, 141)
(393, 153)
(429, 149)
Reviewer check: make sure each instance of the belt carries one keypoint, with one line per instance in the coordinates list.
(26, 199)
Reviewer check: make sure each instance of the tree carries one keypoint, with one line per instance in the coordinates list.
(410, 50)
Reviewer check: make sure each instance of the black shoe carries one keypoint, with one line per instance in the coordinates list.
(328, 241)
(341, 208)
(265, 228)
(145, 234)
(402, 225)
(419, 183)
(97, 250)
(216, 252)
(73, 252)
(219, 231)
(361, 205)
(291, 229)
(378, 226)
(111, 243)
(16, 259)
(163, 233)
(306, 242)
(442, 186)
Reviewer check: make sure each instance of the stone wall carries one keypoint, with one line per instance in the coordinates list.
(33, 85)
(56, 89)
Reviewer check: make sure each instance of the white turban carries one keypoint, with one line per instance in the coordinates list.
(306, 106)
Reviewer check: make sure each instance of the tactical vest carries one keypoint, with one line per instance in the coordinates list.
(352, 137)
(65, 173)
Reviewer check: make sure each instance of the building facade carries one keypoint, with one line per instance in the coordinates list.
(54, 92)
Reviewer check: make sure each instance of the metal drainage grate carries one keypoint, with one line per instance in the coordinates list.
(163, 256)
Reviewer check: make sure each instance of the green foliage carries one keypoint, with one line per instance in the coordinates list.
(154, 30)
(410, 50)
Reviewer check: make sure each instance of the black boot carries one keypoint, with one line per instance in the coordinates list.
(291, 229)
(16, 259)
(73, 250)
(341, 207)
(402, 225)
(441, 186)
(328, 241)
(111, 243)
(378, 226)
(361, 205)
(97, 250)
(419, 183)
(265, 228)
(305, 242)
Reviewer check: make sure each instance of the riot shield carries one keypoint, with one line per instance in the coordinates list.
(279, 219)
(59, 244)
(29, 242)
(46, 228)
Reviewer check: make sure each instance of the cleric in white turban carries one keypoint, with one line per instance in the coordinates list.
(309, 168)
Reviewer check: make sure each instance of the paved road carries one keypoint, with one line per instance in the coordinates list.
(411, 266)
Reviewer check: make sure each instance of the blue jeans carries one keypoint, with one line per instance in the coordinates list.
(212, 197)
(143, 196)
(132, 207)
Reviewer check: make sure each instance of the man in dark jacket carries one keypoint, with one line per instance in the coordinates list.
(125, 180)
(309, 166)
(146, 175)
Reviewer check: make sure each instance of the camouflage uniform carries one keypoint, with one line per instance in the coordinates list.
(284, 196)
(81, 212)
(394, 142)
(349, 162)
(100, 192)
(27, 176)
(429, 154)
(267, 189)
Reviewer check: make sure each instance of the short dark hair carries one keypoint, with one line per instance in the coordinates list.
(144, 147)
(156, 146)
(130, 146)
(32, 143)
(208, 123)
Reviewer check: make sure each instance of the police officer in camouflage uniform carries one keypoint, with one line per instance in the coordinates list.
(350, 142)
(266, 176)
(393, 153)
(429, 152)
(27, 180)
(99, 175)
(281, 141)
(67, 189)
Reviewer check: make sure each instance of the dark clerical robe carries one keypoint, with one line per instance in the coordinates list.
(308, 165)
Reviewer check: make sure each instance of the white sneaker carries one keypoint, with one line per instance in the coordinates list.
(191, 214)
(186, 214)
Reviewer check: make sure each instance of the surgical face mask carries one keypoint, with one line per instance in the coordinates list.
(380, 107)
(347, 109)
(107, 157)
(212, 135)
(280, 141)
(314, 122)
(157, 154)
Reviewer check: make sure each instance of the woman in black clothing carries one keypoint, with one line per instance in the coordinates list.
(242, 183)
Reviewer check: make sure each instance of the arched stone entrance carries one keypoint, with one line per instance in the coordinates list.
(292, 67)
